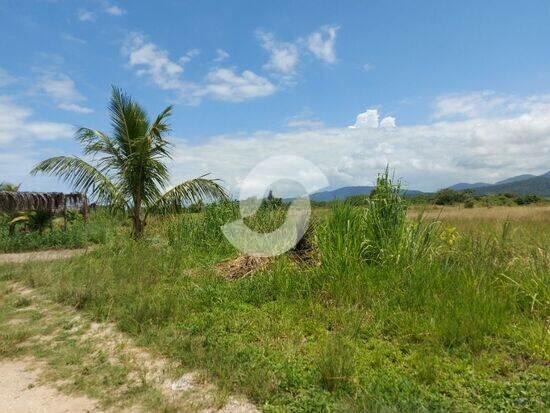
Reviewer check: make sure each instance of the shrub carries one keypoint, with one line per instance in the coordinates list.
(450, 197)
(527, 199)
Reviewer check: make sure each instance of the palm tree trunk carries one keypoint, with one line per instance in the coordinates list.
(138, 223)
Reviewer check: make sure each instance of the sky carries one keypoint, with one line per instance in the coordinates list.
(441, 91)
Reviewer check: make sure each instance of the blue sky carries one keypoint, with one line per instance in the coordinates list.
(442, 91)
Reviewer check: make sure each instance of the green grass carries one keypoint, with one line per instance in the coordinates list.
(77, 235)
(461, 326)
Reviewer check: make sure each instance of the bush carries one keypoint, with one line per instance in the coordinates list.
(527, 199)
(450, 197)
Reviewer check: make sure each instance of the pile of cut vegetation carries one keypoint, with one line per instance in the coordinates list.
(241, 266)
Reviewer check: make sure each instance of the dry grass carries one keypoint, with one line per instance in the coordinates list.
(498, 213)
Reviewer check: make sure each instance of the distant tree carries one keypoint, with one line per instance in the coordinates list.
(272, 201)
(9, 187)
(450, 197)
(527, 199)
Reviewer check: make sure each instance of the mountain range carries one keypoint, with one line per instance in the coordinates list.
(519, 185)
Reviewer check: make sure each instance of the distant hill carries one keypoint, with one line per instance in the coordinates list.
(513, 179)
(539, 185)
(347, 191)
(521, 185)
(462, 186)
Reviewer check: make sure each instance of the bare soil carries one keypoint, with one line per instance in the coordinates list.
(48, 255)
(21, 392)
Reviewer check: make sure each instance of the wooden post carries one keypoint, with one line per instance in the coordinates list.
(64, 213)
(85, 207)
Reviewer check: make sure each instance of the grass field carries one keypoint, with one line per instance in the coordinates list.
(451, 316)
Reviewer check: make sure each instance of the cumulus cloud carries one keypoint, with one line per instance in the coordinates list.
(220, 83)
(428, 156)
(62, 89)
(388, 122)
(367, 119)
(322, 43)
(153, 61)
(371, 119)
(283, 56)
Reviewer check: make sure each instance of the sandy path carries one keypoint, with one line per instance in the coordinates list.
(22, 257)
(20, 392)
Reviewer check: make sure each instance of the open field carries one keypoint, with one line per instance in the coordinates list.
(461, 326)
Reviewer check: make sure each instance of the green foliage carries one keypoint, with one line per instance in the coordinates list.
(527, 199)
(340, 238)
(9, 187)
(73, 215)
(450, 197)
(271, 201)
(99, 228)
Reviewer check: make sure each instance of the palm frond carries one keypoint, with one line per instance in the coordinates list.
(95, 142)
(82, 176)
(128, 119)
(188, 192)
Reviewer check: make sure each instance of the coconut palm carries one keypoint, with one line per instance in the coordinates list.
(130, 172)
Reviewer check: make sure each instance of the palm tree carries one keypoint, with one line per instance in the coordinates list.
(130, 171)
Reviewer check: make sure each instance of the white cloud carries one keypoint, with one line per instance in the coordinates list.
(62, 89)
(221, 55)
(304, 124)
(388, 122)
(220, 83)
(85, 16)
(485, 103)
(190, 55)
(16, 123)
(428, 156)
(368, 119)
(73, 107)
(114, 10)
(322, 43)
(153, 61)
(226, 84)
(371, 119)
(283, 56)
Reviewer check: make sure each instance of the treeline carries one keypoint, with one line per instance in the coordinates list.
(451, 197)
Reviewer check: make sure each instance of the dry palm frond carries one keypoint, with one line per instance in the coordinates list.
(38, 201)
